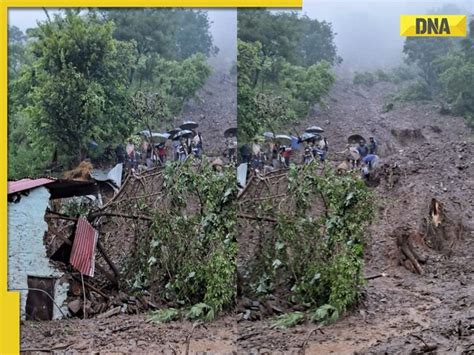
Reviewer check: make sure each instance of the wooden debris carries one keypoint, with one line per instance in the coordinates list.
(111, 312)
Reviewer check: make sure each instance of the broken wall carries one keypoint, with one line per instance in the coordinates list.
(26, 250)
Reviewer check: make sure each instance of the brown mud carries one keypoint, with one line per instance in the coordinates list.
(425, 201)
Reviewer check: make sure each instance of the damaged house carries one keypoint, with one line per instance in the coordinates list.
(38, 263)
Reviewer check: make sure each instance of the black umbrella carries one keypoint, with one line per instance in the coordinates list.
(230, 132)
(174, 131)
(307, 137)
(189, 125)
(355, 138)
(183, 134)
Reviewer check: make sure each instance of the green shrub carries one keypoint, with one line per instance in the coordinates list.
(317, 260)
(417, 91)
(366, 78)
(190, 257)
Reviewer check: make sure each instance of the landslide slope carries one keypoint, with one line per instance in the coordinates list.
(426, 157)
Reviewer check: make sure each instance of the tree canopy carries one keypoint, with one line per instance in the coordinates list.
(72, 80)
(447, 69)
(284, 67)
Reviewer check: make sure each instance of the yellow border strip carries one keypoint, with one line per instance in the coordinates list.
(156, 3)
(10, 301)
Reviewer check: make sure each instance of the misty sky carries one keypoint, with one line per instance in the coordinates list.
(223, 29)
(367, 30)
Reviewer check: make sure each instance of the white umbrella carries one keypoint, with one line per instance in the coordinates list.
(283, 139)
(159, 137)
(268, 135)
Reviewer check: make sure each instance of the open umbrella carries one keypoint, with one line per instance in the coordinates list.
(230, 132)
(306, 136)
(145, 133)
(268, 135)
(159, 137)
(182, 134)
(314, 129)
(189, 125)
(283, 139)
(355, 138)
(174, 131)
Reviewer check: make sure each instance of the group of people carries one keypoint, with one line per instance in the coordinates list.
(151, 154)
(274, 153)
(363, 156)
(187, 146)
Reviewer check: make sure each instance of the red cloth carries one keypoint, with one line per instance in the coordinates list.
(83, 249)
(286, 153)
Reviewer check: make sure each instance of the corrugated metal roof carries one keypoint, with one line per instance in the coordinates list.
(27, 184)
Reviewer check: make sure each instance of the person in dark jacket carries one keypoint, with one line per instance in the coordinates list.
(120, 154)
(245, 153)
(372, 146)
(363, 149)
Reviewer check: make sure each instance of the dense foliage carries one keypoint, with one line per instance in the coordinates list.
(189, 255)
(72, 80)
(161, 35)
(447, 71)
(283, 68)
(315, 259)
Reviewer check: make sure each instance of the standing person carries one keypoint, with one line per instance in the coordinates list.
(373, 145)
(363, 150)
(175, 145)
(120, 154)
(147, 153)
(162, 152)
(286, 154)
(308, 154)
(256, 154)
(231, 149)
(183, 150)
(275, 156)
(245, 154)
(323, 148)
(197, 141)
(352, 155)
(131, 155)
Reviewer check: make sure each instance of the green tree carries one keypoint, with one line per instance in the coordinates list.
(16, 51)
(171, 34)
(456, 76)
(300, 40)
(78, 86)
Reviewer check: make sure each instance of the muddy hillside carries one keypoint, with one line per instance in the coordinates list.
(421, 237)
(419, 249)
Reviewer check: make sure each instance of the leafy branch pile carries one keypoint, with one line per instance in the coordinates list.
(188, 257)
(314, 262)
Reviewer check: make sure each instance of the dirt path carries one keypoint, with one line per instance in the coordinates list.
(402, 313)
